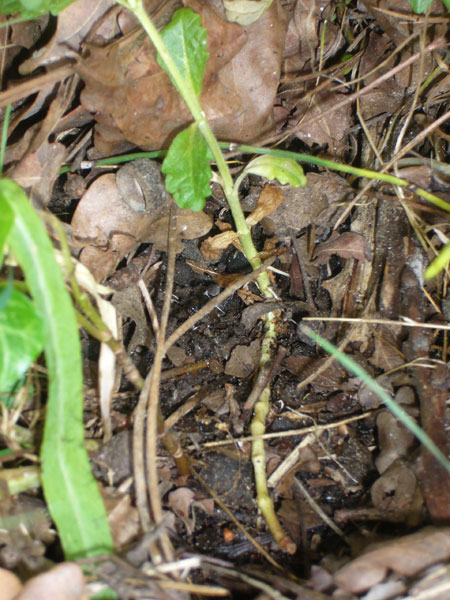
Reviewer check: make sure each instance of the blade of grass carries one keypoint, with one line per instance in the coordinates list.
(354, 368)
(71, 491)
(4, 136)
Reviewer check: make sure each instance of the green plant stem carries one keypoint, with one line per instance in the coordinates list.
(330, 164)
(232, 194)
(298, 156)
(193, 103)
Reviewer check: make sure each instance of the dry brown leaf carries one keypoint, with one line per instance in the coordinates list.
(243, 360)
(269, 200)
(239, 89)
(346, 245)
(313, 203)
(37, 172)
(386, 355)
(73, 26)
(108, 223)
(406, 556)
(302, 38)
(329, 130)
(123, 518)
(180, 501)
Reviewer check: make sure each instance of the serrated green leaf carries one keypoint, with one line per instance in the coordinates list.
(185, 39)
(284, 170)
(30, 9)
(420, 6)
(21, 338)
(245, 12)
(187, 169)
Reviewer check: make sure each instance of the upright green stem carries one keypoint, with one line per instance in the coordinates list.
(231, 191)
(185, 89)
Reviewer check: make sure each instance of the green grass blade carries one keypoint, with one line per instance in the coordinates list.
(71, 492)
(4, 136)
(354, 368)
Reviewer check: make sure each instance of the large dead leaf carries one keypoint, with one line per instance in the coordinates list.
(73, 26)
(406, 556)
(302, 39)
(313, 203)
(239, 89)
(112, 219)
(243, 360)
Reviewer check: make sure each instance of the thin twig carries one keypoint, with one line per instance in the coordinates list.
(153, 396)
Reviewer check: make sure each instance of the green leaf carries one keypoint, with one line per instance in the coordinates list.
(30, 9)
(22, 338)
(285, 170)
(70, 489)
(245, 12)
(420, 6)
(187, 170)
(185, 39)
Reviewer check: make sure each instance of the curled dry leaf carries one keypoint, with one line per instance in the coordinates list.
(111, 220)
(396, 494)
(180, 501)
(406, 555)
(394, 439)
(313, 203)
(269, 200)
(346, 245)
(303, 33)
(38, 171)
(72, 27)
(243, 360)
(239, 89)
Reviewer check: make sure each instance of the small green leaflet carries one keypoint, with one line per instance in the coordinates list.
(185, 39)
(30, 9)
(187, 169)
(284, 170)
(420, 6)
(22, 338)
